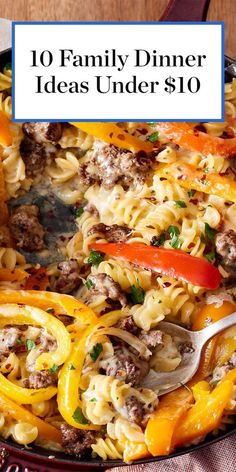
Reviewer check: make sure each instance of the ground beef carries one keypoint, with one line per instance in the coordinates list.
(113, 233)
(47, 341)
(40, 379)
(65, 319)
(77, 441)
(103, 284)
(26, 229)
(220, 372)
(185, 348)
(110, 165)
(68, 279)
(134, 409)
(128, 324)
(226, 248)
(126, 366)
(43, 132)
(152, 338)
(9, 338)
(34, 157)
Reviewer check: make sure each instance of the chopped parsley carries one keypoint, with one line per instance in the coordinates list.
(203, 239)
(180, 204)
(174, 234)
(79, 212)
(53, 369)
(71, 366)
(191, 193)
(93, 399)
(30, 344)
(151, 123)
(89, 284)
(50, 310)
(210, 256)
(79, 417)
(19, 342)
(158, 241)
(137, 294)
(154, 137)
(96, 351)
(205, 170)
(95, 258)
(210, 232)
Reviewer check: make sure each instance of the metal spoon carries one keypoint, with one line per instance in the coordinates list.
(167, 381)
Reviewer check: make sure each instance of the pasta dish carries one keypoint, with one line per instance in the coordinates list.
(151, 237)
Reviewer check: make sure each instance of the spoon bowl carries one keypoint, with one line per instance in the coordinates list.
(165, 382)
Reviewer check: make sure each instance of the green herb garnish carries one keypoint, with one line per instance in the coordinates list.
(210, 256)
(151, 123)
(137, 294)
(154, 137)
(95, 258)
(174, 234)
(89, 284)
(53, 369)
(71, 366)
(158, 241)
(205, 170)
(50, 310)
(30, 344)
(79, 212)
(79, 417)
(93, 400)
(96, 351)
(180, 204)
(191, 193)
(210, 232)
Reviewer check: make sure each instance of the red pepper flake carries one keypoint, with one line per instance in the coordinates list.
(166, 284)
(121, 137)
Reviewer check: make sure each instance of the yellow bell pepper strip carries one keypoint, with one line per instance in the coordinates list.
(15, 275)
(3, 196)
(25, 314)
(189, 138)
(204, 416)
(5, 133)
(113, 134)
(23, 395)
(38, 280)
(134, 451)
(200, 389)
(162, 424)
(69, 378)
(188, 177)
(62, 304)
(21, 414)
(207, 315)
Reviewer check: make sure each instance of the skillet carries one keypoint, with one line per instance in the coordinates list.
(15, 458)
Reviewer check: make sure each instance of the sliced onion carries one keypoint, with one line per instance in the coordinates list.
(128, 338)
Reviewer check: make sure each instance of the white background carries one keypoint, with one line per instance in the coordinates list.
(95, 39)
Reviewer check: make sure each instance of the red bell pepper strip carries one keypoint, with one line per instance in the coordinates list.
(171, 262)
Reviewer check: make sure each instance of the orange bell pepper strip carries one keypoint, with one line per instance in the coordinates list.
(37, 280)
(204, 416)
(207, 315)
(3, 196)
(172, 262)
(113, 134)
(134, 451)
(60, 303)
(188, 177)
(5, 133)
(189, 138)
(15, 275)
(224, 350)
(21, 414)
(162, 424)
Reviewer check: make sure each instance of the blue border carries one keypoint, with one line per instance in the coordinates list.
(15, 23)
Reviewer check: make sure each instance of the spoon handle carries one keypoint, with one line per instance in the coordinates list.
(217, 327)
